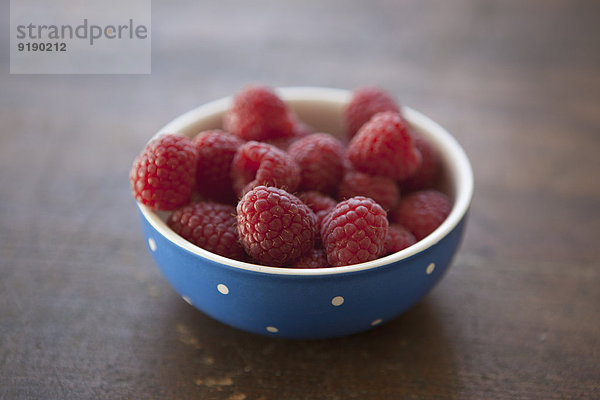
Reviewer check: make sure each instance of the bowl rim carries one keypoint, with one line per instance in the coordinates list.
(461, 171)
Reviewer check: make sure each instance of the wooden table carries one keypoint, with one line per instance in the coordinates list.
(85, 314)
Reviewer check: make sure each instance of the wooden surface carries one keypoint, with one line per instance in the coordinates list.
(85, 314)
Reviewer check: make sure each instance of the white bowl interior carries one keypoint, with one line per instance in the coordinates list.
(322, 109)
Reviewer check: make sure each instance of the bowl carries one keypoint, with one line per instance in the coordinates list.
(322, 302)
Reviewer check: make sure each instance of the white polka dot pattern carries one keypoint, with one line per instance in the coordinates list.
(337, 301)
(430, 268)
(223, 289)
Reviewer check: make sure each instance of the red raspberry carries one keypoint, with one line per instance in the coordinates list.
(318, 202)
(364, 104)
(321, 160)
(258, 163)
(275, 227)
(383, 190)
(163, 174)
(321, 206)
(209, 225)
(216, 150)
(257, 113)
(384, 146)
(422, 212)
(315, 258)
(281, 143)
(427, 173)
(300, 130)
(354, 231)
(398, 238)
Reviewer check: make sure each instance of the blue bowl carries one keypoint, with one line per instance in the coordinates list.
(322, 302)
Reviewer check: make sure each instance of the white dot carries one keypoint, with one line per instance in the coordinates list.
(430, 268)
(222, 289)
(152, 244)
(376, 322)
(272, 329)
(187, 300)
(337, 301)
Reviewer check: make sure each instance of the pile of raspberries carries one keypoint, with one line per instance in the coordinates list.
(268, 189)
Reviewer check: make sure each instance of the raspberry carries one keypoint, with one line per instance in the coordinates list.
(318, 202)
(300, 130)
(384, 146)
(281, 143)
(209, 225)
(398, 238)
(354, 231)
(320, 157)
(383, 190)
(364, 103)
(216, 150)
(257, 113)
(275, 227)
(422, 212)
(315, 258)
(258, 163)
(321, 206)
(163, 174)
(427, 173)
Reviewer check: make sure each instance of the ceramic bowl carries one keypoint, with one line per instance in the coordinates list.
(312, 303)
